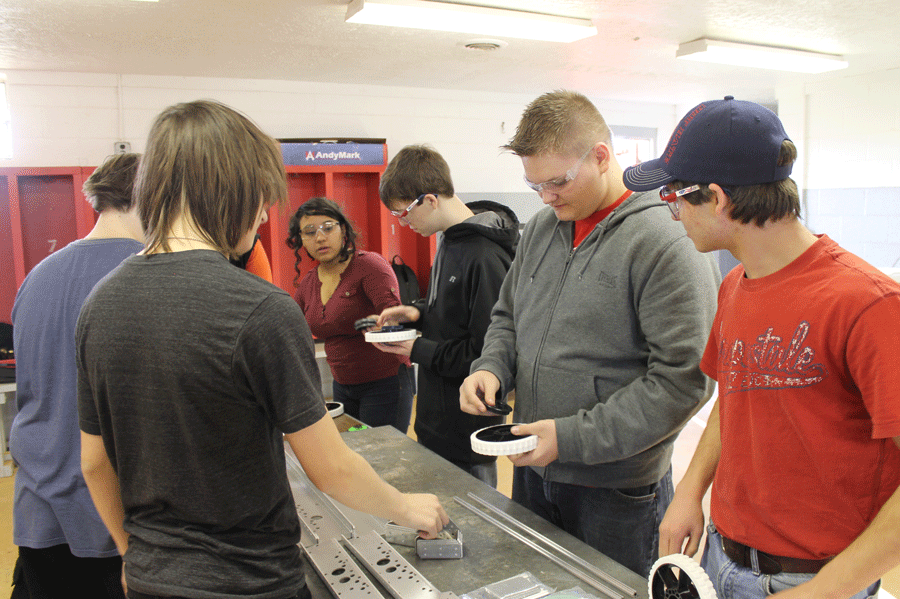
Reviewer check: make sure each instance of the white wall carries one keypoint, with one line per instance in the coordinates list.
(72, 119)
(846, 128)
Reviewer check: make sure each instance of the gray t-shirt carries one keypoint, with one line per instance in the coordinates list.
(191, 369)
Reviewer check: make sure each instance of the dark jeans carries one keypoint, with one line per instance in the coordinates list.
(623, 524)
(381, 402)
(54, 573)
(486, 473)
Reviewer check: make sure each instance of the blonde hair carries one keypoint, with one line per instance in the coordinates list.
(559, 122)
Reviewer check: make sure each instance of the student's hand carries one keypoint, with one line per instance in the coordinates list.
(403, 348)
(479, 388)
(423, 512)
(682, 527)
(546, 451)
(398, 315)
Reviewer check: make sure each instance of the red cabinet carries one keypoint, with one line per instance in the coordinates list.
(43, 209)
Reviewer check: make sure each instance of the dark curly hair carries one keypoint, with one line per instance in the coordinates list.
(319, 207)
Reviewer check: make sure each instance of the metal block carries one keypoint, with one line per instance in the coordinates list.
(442, 548)
(448, 547)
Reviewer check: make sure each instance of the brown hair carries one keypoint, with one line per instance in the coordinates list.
(214, 166)
(559, 122)
(755, 203)
(413, 171)
(110, 186)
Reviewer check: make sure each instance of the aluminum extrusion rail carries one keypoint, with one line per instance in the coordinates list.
(554, 558)
(536, 535)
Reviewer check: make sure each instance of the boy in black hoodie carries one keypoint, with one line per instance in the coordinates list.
(475, 252)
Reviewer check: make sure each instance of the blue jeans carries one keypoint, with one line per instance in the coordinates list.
(732, 581)
(379, 403)
(623, 524)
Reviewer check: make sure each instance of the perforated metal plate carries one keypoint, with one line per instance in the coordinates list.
(318, 514)
(390, 568)
(342, 575)
(331, 529)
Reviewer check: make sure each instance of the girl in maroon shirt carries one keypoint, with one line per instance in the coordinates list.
(346, 285)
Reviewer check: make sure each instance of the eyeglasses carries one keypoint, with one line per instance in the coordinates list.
(327, 227)
(403, 213)
(673, 199)
(555, 185)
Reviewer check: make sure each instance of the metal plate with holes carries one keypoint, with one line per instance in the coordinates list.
(318, 514)
(324, 523)
(345, 578)
(390, 568)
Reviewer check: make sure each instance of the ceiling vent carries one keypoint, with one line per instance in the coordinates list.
(485, 45)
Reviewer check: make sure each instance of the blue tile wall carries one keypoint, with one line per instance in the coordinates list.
(864, 221)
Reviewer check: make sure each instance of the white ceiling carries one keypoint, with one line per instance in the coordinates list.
(632, 58)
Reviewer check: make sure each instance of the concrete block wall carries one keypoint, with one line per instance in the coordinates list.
(849, 132)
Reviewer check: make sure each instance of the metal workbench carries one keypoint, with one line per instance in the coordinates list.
(490, 554)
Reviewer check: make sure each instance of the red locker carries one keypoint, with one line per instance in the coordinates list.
(43, 209)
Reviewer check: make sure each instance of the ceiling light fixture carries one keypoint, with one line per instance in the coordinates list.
(462, 18)
(763, 57)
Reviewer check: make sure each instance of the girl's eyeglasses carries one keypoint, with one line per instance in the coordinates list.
(327, 227)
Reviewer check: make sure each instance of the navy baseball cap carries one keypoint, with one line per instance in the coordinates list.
(730, 142)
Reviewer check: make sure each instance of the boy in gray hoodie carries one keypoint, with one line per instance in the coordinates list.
(599, 328)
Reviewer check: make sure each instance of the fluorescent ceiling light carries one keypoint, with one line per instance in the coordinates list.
(461, 18)
(763, 57)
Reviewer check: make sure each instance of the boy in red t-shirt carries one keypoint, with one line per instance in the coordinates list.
(801, 447)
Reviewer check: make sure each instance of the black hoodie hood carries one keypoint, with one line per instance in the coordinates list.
(493, 221)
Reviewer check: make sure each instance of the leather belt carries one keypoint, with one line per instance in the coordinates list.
(770, 564)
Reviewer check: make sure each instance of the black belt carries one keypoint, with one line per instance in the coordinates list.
(770, 564)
